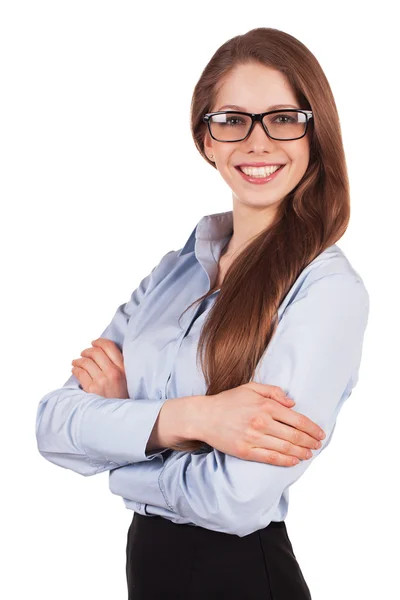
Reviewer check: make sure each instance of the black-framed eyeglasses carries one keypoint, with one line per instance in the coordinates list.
(236, 126)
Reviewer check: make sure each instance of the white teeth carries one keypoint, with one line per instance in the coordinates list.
(259, 171)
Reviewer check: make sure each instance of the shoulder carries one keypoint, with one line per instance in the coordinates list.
(328, 278)
(164, 269)
(331, 261)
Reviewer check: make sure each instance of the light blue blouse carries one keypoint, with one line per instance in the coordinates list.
(314, 357)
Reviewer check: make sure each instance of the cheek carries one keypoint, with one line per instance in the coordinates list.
(301, 157)
(224, 155)
(224, 162)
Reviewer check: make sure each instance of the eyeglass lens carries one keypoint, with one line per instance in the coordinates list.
(228, 127)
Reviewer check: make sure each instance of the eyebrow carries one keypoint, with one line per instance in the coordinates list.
(273, 107)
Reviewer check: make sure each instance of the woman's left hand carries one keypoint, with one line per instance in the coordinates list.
(101, 370)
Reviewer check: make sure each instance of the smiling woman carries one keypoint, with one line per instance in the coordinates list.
(281, 312)
(270, 135)
(258, 105)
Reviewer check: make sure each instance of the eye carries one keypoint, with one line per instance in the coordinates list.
(234, 120)
(288, 118)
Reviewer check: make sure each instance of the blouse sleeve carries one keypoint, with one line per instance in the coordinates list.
(88, 433)
(314, 357)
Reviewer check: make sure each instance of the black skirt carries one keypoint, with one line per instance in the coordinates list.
(168, 561)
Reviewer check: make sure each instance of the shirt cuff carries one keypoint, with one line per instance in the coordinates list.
(139, 482)
(118, 430)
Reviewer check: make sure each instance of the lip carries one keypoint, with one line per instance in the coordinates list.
(259, 180)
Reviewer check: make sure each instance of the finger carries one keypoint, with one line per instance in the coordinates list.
(101, 359)
(270, 442)
(284, 400)
(271, 457)
(89, 365)
(298, 422)
(271, 391)
(83, 376)
(111, 350)
(294, 436)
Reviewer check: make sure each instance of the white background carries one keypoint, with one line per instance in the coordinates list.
(93, 195)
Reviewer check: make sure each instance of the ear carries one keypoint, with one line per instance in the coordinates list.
(208, 148)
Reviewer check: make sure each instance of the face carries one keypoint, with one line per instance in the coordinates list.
(255, 88)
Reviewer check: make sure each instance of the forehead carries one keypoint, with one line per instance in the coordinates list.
(254, 87)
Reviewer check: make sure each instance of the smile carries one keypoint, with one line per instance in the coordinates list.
(259, 178)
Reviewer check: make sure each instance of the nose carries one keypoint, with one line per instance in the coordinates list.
(258, 140)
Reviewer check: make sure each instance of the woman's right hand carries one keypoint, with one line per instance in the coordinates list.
(248, 422)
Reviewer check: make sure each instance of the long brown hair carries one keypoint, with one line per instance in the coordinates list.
(312, 217)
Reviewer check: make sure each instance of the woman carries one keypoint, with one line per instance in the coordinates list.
(205, 455)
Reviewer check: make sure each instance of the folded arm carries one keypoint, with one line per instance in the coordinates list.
(314, 356)
(88, 433)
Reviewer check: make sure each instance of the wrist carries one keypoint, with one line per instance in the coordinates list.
(179, 419)
(195, 417)
(183, 419)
